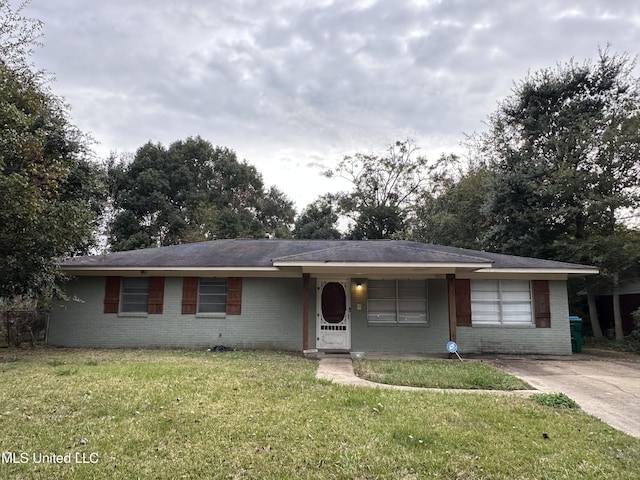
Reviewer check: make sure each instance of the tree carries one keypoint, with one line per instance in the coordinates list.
(276, 213)
(318, 221)
(189, 192)
(618, 257)
(565, 154)
(384, 192)
(452, 212)
(19, 35)
(50, 192)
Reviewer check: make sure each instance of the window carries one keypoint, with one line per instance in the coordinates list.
(134, 295)
(397, 301)
(501, 302)
(212, 295)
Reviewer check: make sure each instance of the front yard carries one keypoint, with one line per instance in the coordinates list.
(188, 414)
(435, 373)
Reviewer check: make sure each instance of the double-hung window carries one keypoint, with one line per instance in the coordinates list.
(501, 302)
(397, 301)
(212, 295)
(134, 295)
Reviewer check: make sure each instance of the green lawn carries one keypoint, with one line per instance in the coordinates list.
(435, 373)
(186, 414)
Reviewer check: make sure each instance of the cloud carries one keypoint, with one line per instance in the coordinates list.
(304, 83)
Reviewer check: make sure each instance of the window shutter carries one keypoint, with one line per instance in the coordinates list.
(234, 296)
(463, 302)
(189, 295)
(541, 306)
(112, 295)
(156, 295)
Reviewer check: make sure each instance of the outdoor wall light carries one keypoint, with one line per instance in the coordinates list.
(359, 285)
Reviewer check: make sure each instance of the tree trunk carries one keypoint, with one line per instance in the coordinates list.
(617, 316)
(593, 315)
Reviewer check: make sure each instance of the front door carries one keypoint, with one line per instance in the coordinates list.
(333, 315)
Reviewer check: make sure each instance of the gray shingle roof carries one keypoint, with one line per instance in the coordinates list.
(263, 253)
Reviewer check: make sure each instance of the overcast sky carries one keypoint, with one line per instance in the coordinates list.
(293, 86)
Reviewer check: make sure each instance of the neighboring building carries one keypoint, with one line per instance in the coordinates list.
(370, 296)
(629, 293)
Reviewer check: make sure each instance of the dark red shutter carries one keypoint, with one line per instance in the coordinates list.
(234, 296)
(189, 295)
(541, 306)
(156, 295)
(463, 302)
(112, 295)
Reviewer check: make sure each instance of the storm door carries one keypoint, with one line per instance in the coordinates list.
(333, 315)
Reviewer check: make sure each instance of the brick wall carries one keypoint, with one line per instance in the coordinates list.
(430, 338)
(522, 340)
(271, 318)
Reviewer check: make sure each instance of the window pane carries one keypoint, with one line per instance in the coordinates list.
(412, 301)
(412, 306)
(212, 295)
(381, 289)
(485, 312)
(501, 301)
(412, 289)
(514, 285)
(401, 301)
(517, 313)
(412, 317)
(135, 295)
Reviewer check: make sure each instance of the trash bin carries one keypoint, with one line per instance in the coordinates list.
(575, 324)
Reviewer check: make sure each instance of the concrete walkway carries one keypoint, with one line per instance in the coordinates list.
(339, 369)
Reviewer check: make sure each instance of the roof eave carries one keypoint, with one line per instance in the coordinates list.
(168, 271)
(351, 265)
(551, 271)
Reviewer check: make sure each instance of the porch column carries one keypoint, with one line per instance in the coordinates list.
(305, 311)
(451, 287)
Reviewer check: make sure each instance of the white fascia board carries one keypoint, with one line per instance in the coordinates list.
(171, 271)
(351, 265)
(533, 271)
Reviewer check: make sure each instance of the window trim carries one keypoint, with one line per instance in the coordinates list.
(397, 300)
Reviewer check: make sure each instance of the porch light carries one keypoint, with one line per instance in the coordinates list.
(359, 285)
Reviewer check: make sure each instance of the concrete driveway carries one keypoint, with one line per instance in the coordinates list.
(604, 384)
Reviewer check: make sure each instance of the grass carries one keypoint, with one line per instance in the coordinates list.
(558, 400)
(435, 373)
(246, 415)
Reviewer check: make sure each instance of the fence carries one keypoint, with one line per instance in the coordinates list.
(18, 326)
